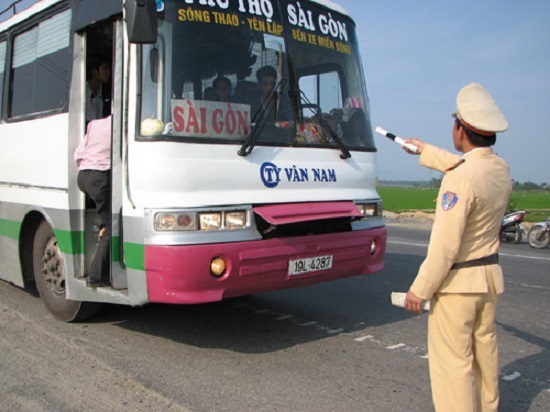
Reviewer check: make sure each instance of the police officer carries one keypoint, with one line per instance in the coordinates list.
(460, 274)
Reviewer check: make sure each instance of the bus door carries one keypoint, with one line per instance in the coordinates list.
(118, 176)
(104, 42)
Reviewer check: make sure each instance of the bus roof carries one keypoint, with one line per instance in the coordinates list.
(26, 13)
(86, 12)
(40, 5)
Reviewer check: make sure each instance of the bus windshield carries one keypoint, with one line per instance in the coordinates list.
(249, 72)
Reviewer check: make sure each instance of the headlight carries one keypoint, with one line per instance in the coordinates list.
(175, 221)
(200, 220)
(210, 221)
(370, 209)
(235, 220)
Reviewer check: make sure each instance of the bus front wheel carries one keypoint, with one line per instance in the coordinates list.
(50, 277)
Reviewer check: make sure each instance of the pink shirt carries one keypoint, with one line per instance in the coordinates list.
(94, 151)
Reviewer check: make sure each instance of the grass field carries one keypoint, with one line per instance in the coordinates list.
(401, 199)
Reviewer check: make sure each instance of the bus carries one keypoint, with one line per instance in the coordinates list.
(271, 186)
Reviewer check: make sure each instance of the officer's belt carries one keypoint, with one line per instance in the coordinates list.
(487, 260)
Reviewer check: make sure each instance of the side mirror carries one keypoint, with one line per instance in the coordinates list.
(141, 21)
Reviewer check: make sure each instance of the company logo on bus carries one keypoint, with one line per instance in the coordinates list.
(272, 175)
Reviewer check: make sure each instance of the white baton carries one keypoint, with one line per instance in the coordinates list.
(396, 139)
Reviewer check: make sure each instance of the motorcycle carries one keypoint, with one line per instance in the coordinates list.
(539, 234)
(511, 230)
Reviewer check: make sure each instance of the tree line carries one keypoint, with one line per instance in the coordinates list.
(436, 182)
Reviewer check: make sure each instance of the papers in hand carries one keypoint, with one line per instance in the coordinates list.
(398, 299)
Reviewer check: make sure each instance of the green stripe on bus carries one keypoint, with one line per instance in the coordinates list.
(73, 243)
(134, 256)
(115, 249)
(10, 228)
(70, 242)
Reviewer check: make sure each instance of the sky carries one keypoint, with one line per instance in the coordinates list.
(418, 54)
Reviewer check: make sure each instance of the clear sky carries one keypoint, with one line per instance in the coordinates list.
(418, 54)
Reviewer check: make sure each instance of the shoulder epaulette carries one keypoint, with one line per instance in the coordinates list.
(453, 167)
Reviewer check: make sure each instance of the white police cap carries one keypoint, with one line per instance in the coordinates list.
(478, 111)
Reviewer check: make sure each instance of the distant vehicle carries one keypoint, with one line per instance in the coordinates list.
(210, 199)
(539, 234)
(511, 230)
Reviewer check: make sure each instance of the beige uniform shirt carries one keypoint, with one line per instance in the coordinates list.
(470, 206)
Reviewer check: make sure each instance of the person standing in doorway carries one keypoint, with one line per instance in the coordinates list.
(460, 275)
(93, 159)
(99, 73)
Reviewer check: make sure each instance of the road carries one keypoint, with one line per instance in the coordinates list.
(336, 346)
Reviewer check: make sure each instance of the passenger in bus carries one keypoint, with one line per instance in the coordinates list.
(98, 73)
(93, 159)
(266, 76)
(247, 92)
(258, 96)
(222, 89)
(267, 106)
(209, 94)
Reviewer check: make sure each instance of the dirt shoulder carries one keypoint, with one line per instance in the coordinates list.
(423, 220)
(418, 220)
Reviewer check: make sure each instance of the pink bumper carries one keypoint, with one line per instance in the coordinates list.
(181, 274)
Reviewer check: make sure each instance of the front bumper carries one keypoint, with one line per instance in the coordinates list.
(181, 274)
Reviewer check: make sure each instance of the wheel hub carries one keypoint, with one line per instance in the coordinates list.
(53, 269)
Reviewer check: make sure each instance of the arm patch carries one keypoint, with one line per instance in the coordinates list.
(448, 200)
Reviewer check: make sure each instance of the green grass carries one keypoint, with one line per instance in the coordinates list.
(531, 199)
(402, 199)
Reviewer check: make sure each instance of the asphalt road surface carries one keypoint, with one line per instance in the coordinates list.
(337, 346)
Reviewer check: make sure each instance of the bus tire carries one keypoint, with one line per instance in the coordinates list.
(50, 277)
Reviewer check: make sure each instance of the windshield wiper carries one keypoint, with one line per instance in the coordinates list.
(345, 152)
(259, 120)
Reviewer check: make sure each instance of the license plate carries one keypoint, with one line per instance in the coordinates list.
(307, 265)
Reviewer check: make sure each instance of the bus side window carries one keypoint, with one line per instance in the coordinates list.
(39, 72)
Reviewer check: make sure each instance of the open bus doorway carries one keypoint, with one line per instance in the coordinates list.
(98, 94)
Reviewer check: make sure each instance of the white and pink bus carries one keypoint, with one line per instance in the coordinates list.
(242, 157)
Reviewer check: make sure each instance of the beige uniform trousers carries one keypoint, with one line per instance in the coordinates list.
(463, 351)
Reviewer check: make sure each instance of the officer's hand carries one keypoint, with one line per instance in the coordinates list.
(413, 303)
(417, 142)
